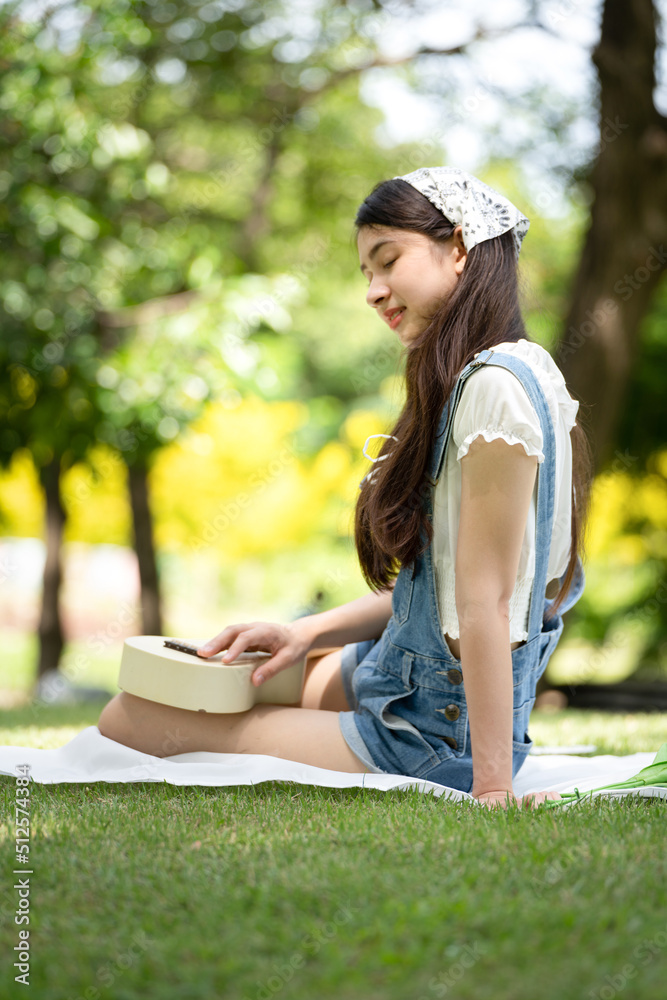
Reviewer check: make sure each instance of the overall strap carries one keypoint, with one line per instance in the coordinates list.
(546, 471)
(446, 417)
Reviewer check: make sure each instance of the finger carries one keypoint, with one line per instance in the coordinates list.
(255, 638)
(220, 641)
(270, 668)
(495, 802)
(537, 799)
(248, 640)
(547, 797)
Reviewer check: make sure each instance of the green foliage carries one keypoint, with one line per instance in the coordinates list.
(147, 155)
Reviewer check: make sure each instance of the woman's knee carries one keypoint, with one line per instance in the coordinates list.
(118, 721)
(111, 718)
(140, 724)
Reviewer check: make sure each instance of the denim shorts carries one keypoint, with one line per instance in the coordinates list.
(421, 752)
(400, 743)
(350, 658)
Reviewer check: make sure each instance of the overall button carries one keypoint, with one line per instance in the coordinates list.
(450, 741)
(454, 676)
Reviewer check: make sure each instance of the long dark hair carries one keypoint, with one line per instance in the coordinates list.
(391, 525)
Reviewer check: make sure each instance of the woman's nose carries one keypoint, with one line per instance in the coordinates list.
(376, 293)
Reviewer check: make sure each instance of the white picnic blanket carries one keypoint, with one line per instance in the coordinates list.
(92, 757)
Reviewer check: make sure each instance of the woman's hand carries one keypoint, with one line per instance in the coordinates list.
(287, 643)
(503, 797)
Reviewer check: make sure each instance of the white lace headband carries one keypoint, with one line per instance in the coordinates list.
(466, 201)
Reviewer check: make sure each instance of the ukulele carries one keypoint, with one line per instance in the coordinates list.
(169, 671)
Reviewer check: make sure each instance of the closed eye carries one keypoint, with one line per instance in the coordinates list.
(388, 264)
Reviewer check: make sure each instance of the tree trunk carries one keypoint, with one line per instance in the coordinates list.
(50, 629)
(626, 245)
(257, 224)
(151, 612)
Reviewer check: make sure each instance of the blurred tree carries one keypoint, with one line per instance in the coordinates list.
(624, 253)
(158, 380)
(613, 348)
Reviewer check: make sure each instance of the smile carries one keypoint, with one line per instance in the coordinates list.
(393, 323)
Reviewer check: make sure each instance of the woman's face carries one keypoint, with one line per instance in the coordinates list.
(409, 275)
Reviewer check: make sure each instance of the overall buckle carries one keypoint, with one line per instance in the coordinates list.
(475, 363)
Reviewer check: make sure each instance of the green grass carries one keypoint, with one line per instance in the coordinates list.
(291, 891)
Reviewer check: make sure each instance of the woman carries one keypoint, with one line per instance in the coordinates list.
(438, 666)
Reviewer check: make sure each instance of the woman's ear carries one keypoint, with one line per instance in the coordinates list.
(460, 252)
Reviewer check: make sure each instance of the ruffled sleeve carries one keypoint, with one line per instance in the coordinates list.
(494, 404)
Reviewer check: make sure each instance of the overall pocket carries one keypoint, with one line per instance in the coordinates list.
(521, 741)
(437, 704)
(550, 638)
(391, 700)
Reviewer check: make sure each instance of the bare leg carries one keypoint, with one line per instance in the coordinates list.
(323, 685)
(306, 735)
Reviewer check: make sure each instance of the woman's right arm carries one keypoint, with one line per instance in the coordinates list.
(364, 618)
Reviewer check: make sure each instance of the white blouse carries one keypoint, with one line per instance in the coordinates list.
(494, 403)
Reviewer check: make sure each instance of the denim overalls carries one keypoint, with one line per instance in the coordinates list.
(407, 688)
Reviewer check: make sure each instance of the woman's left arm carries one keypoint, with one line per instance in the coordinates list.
(497, 481)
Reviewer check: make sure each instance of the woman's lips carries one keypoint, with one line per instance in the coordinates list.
(393, 323)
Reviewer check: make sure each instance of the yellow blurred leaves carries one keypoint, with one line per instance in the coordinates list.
(24, 385)
(95, 499)
(628, 517)
(21, 501)
(234, 482)
(359, 425)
